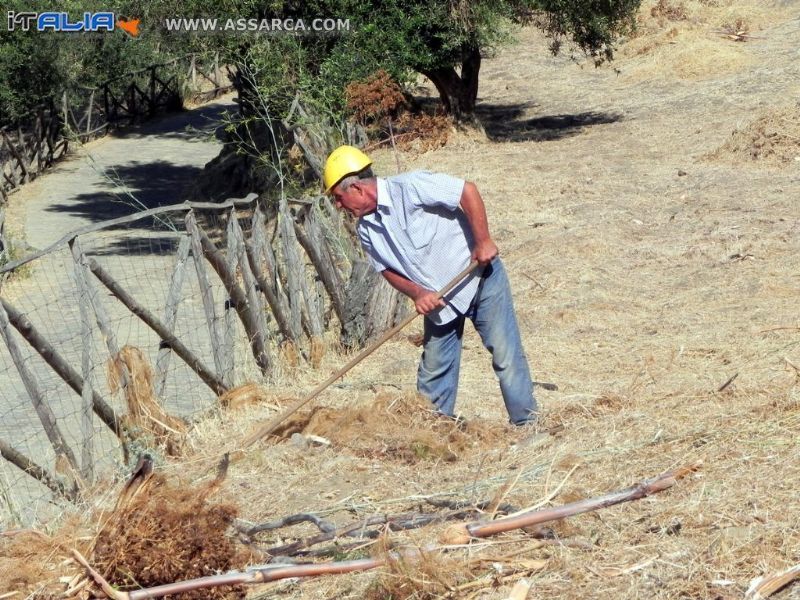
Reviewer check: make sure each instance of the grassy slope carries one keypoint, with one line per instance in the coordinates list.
(645, 275)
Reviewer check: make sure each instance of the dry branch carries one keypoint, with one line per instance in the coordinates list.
(39, 473)
(763, 587)
(359, 529)
(253, 575)
(243, 308)
(268, 573)
(321, 524)
(37, 341)
(461, 534)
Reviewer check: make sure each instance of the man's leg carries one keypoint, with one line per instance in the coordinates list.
(437, 376)
(494, 318)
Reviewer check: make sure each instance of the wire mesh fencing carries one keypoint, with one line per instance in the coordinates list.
(204, 293)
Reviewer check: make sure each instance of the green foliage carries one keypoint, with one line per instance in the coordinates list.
(35, 66)
(401, 37)
(592, 25)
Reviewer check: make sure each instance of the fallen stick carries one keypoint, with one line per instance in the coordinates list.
(251, 529)
(359, 529)
(463, 533)
(253, 575)
(728, 382)
(764, 587)
(269, 573)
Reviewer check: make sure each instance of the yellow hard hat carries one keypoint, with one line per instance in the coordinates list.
(344, 161)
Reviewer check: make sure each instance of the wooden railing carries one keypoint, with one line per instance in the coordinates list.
(81, 114)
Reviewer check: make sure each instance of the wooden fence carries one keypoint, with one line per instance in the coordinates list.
(267, 279)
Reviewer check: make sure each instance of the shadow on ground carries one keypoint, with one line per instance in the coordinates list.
(190, 125)
(503, 123)
(152, 184)
(140, 246)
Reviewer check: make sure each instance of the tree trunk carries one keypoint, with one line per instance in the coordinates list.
(458, 92)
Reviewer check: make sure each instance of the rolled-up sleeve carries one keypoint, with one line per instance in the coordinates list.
(437, 189)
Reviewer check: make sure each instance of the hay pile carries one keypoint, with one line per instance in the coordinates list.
(772, 139)
(130, 372)
(399, 427)
(693, 39)
(166, 532)
(30, 561)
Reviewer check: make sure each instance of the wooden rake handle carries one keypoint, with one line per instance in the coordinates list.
(268, 428)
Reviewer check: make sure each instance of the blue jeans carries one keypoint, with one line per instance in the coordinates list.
(492, 314)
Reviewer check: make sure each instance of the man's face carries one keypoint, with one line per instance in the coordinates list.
(354, 200)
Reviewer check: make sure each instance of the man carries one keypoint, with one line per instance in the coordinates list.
(419, 230)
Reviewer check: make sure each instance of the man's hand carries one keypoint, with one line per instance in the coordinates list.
(484, 251)
(426, 301)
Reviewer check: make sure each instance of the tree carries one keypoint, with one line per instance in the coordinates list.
(445, 40)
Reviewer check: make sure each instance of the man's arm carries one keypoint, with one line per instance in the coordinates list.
(475, 210)
(425, 300)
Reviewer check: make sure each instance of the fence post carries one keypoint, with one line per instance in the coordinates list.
(101, 408)
(263, 249)
(40, 405)
(299, 293)
(65, 109)
(5, 256)
(255, 249)
(107, 106)
(312, 239)
(89, 111)
(38, 135)
(253, 299)
(84, 302)
(26, 465)
(22, 166)
(238, 298)
(171, 312)
(101, 316)
(207, 296)
(229, 314)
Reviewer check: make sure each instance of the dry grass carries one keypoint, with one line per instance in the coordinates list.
(395, 427)
(242, 396)
(168, 532)
(772, 139)
(685, 39)
(31, 562)
(130, 372)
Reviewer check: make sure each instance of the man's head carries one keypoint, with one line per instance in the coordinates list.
(348, 178)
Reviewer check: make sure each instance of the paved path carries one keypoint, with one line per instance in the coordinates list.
(157, 163)
(153, 165)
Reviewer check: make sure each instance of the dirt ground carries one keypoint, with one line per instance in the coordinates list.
(652, 261)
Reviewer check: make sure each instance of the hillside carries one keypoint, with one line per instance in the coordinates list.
(646, 212)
